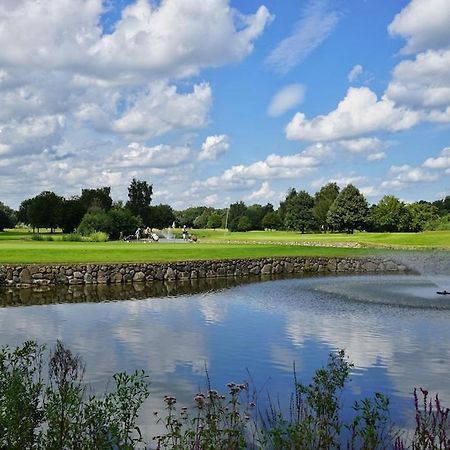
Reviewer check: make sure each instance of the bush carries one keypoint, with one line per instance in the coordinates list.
(438, 224)
(58, 414)
(41, 237)
(98, 236)
(72, 237)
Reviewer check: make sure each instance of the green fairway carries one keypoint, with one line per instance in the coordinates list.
(426, 239)
(16, 246)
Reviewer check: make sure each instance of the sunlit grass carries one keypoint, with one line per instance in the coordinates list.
(16, 246)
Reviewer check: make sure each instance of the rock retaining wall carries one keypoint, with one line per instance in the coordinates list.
(77, 274)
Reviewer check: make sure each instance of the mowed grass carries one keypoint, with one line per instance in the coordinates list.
(426, 239)
(16, 247)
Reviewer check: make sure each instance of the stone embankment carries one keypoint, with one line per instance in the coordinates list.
(78, 274)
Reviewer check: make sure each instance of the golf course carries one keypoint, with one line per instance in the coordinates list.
(17, 246)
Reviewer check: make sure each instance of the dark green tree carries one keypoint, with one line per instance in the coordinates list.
(139, 198)
(72, 212)
(443, 205)
(244, 224)
(121, 221)
(160, 216)
(349, 211)
(235, 212)
(188, 216)
(291, 193)
(271, 221)
(323, 199)
(44, 210)
(8, 217)
(99, 198)
(390, 214)
(215, 220)
(299, 215)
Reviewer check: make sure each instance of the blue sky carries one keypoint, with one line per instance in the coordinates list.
(215, 101)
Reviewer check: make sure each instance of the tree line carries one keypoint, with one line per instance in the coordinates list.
(329, 209)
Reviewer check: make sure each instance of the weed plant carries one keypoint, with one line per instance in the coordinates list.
(54, 412)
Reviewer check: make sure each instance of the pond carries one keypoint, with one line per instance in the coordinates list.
(394, 328)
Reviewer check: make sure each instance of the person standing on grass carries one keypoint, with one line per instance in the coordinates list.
(185, 233)
(138, 234)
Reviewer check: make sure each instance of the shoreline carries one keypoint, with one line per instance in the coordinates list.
(26, 275)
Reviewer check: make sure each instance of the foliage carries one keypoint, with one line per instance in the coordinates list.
(121, 220)
(214, 220)
(72, 212)
(323, 199)
(117, 220)
(42, 211)
(72, 237)
(216, 423)
(439, 224)
(244, 223)
(189, 215)
(298, 212)
(98, 236)
(349, 211)
(58, 414)
(160, 216)
(390, 214)
(94, 199)
(8, 217)
(443, 205)
(41, 237)
(271, 221)
(139, 198)
(235, 212)
(94, 221)
(422, 213)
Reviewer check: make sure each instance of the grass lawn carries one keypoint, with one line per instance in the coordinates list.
(16, 246)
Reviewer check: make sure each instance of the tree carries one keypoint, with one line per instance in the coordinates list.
(390, 214)
(44, 210)
(99, 198)
(271, 221)
(139, 198)
(235, 212)
(188, 216)
(8, 217)
(323, 199)
(422, 213)
(299, 215)
(443, 205)
(244, 223)
(349, 211)
(291, 193)
(72, 212)
(215, 220)
(160, 216)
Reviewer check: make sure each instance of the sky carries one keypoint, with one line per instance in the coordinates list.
(217, 101)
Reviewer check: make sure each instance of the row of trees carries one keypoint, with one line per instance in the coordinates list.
(329, 209)
(94, 210)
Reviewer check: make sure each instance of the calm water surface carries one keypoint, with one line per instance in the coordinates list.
(394, 328)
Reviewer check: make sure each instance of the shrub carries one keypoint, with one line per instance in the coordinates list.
(41, 237)
(98, 236)
(58, 414)
(72, 237)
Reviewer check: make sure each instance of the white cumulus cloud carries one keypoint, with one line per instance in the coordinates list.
(424, 24)
(359, 113)
(213, 147)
